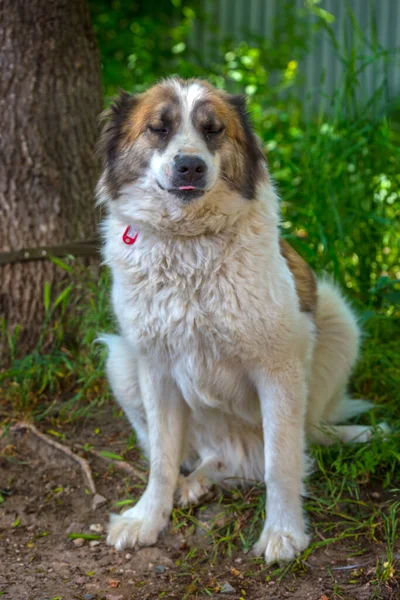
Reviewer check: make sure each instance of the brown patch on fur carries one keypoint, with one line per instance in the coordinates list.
(242, 160)
(218, 103)
(152, 107)
(304, 278)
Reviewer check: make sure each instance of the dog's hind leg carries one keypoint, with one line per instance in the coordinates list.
(195, 485)
(122, 373)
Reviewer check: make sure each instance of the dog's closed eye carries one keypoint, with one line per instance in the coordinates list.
(158, 129)
(213, 129)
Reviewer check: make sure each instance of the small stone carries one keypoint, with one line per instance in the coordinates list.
(75, 527)
(128, 556)
(213, 516)
(159, 569)
(376, 495)
(98, 501)
(78, 542)
(227, 589)
(239, 561)
(96, 527)
(88, 597)
(94, 543)
(147, 558)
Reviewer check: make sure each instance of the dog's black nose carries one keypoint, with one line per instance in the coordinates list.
(190, 169)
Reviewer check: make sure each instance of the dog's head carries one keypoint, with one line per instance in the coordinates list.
(179, 149)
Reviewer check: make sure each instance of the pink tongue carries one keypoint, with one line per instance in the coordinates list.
(187, 187)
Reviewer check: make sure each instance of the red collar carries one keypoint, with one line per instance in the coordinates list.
(129, 237)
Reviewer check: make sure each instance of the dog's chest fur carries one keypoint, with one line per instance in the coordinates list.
(201, 305)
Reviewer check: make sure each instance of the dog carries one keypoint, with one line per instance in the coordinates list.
(230, 351)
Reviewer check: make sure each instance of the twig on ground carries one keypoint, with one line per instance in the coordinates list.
(347, 567)
(121, 465)
(83, 463)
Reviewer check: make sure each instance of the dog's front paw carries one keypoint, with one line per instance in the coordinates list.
(280, 546)
(136, 527)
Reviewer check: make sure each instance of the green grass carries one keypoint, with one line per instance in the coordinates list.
(64, 377)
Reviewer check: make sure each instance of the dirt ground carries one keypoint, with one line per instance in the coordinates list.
(44, 500)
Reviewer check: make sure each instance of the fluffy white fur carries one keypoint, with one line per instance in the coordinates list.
(215, 366)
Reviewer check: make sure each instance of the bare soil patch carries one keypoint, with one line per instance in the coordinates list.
(46, 499)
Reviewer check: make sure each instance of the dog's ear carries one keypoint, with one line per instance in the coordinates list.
(239, 103)
(252, 148)
(114, 118)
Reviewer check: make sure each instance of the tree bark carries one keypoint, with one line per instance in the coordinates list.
(50, 98)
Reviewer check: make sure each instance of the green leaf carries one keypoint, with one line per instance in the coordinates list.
(61, 264)
(324, 14)
(63, 296)
(46, 296)
(84, 536)
(111, 455)
(123, 503)
(179, 48)
(56, 434)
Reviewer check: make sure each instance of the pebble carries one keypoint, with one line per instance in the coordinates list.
(78, 542)
(75, 527)
(94, 543)
(96, 527)
(159, 569)
(128, 556)
(227, 589)
(88, 597)
(98, 501)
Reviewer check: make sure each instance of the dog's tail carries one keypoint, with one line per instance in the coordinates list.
(348, 408)
(335, 354)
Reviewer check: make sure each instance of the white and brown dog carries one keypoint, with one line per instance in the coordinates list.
(230, 351)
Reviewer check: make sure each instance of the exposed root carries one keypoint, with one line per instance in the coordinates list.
(120, 465)
(82, 462)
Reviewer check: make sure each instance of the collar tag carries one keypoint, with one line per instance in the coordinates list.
(129, 237)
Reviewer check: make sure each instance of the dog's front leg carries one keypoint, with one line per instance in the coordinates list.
(165, 415)
(282, 397)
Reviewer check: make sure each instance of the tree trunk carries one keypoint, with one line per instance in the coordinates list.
(50, 98)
